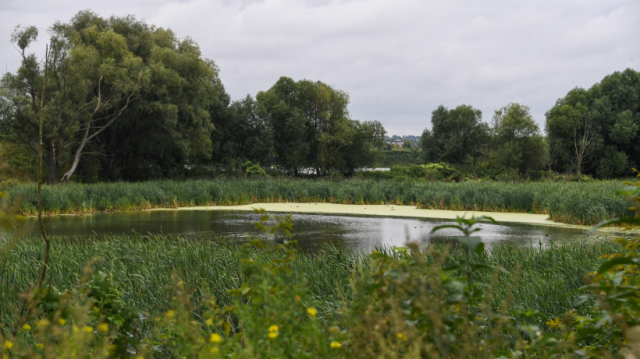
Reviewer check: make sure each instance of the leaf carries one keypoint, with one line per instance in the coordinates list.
(450, 268)
(616, 261)
(226, 326)
(472, 243)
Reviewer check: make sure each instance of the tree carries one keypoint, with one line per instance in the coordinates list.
(131, 100)
(311, 127)
(597, 131)
(457, 136)
(516, 141)
(573, 134)
(241, 134)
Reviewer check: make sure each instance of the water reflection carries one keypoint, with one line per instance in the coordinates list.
(310, 230)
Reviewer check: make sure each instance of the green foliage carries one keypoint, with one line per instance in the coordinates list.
(568, 202)
(311, 128)
(605, 118)
(457, 136)
(134, 97)
(516, 143)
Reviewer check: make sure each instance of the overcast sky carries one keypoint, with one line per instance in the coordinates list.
(397, 59)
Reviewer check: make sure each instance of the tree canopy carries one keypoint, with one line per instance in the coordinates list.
(111, 83)
(457, 136)
(597, 131)
(311, 127)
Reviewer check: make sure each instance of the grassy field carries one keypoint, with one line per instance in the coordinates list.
(575, 203)
(143, 266)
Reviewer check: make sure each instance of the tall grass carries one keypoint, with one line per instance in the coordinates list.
(576, 203)
(143, 266)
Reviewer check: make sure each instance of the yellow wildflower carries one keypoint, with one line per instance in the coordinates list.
(26, 327)
(170, 314)
(62, 321)
(215, 338)
(402, 337)
(104, 327)
(312, 311)
(273, 331)
(39, 346)
(336, 345)
(42, 323)
(553, 323)
(7, 345)
(87, 329)
(209, 322)
(215, 350)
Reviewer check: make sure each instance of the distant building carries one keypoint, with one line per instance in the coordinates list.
(398, 143)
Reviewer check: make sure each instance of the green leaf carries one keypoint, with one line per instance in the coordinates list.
(472, 243)
(616, 261)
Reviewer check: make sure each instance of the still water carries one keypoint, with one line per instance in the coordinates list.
(310, 230)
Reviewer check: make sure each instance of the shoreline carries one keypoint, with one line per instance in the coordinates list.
(384, 210)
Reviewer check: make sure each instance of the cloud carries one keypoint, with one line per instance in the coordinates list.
(398, 60)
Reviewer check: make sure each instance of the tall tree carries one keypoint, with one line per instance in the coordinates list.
(131, 100)
(241, 134)
(516, 141)
(457, 135)
(597, 131)
(311, 127)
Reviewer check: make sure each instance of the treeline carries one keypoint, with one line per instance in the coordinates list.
(123, 100)
(594, 132)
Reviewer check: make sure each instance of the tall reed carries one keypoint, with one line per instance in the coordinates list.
(576, 203)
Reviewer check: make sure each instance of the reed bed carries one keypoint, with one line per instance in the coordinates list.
(538, 278)
(576, 203)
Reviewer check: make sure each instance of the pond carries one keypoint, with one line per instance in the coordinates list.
(362, 233)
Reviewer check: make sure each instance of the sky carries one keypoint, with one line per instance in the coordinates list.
(397, 59)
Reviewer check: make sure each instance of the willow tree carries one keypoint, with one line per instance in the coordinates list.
(125, 100)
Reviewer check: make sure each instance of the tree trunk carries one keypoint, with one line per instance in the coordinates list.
(53, 166)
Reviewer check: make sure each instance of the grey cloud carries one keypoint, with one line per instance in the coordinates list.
(399, 59)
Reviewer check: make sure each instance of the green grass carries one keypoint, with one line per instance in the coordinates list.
(143, 266)
(576, 203)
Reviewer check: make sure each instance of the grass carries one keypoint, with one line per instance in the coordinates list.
(143, 266)
(575, 203)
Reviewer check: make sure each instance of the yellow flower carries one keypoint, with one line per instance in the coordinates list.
(39, 346)
(215, 350)
(215, 338)
(62, 321)
(312, 311)
(553, 323)
(273, 335)
(402, 337)
(87, 329)
(7, 345)
(96, 309)
(273, 328)
(42, 323)
(104, 327)
(170, 314)
(336, 345)
(209, 322)
(26, 327)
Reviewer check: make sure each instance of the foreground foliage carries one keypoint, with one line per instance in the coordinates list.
(256, 299)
